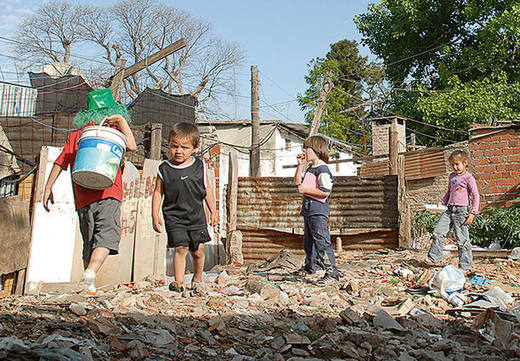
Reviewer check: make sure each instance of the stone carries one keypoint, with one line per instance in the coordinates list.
(295, 339)
(78, 309)
(384, 320)
(264, 289)
(300, 352)
(278, 343)
(223, 278)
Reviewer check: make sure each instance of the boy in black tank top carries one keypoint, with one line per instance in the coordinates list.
(183, 183)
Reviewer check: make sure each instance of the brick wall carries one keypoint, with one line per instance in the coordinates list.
(496, 161)
(380, 137)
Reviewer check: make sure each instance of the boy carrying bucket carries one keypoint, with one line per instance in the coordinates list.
(99, 210)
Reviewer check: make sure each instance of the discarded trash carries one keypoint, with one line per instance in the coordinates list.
(514, 254)
(479, 281)
(404, 273)
(449, 279)
(455, 299)
(499, 298)
(493, 328)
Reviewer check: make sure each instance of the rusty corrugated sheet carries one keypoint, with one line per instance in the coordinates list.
(377, 168)
(425, 163)
(268, 213)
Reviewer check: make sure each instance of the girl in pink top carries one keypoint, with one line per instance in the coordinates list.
(461, 186)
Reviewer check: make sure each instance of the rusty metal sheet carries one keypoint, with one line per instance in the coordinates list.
(268, 213)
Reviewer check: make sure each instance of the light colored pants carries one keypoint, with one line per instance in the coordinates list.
(455, 216)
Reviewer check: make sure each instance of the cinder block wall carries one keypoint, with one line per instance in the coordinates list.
(496, 162)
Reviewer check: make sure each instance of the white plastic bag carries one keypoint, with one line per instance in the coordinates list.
(448, 279)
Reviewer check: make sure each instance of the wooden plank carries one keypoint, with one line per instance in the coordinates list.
(118, 269)
(117, 79)
(150, 246)
(232, 194)
(15, 236)
(20, 281)
(131, 70)
(156, 141)
(53, 232)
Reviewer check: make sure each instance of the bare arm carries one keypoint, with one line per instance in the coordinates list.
(315, 192)
(156, 204)
(299, 169)
(47, 194)
(123, 126)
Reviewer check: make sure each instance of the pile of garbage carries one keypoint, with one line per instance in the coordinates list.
(388, 306)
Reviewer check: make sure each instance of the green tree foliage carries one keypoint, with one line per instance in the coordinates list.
(461, 54)
(354, 78)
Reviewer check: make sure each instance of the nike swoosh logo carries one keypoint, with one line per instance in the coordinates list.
(184, 177)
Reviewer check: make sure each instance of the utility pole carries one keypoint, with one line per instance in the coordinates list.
(255, 118)
(325, 90)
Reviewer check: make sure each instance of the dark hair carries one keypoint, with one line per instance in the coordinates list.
(459, 154)
(186, 130)
(319, 145)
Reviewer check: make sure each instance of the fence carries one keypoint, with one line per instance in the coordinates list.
(363, 214)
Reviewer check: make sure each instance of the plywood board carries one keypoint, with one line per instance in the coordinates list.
(53, 232)
(150, 246)
(118, 269)
(15, 236)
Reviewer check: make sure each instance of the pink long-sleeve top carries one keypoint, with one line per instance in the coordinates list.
(460, 187)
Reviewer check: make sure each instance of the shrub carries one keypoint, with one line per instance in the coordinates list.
(495, 224)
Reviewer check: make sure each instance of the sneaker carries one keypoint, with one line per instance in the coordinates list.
(176, 287)
(303, 272)
(329, 277)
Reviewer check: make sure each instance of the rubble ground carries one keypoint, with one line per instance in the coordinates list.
(380, 310)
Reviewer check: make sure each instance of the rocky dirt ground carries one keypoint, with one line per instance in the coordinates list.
(380, 310)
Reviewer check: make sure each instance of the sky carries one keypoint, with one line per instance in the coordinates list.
(279, 37)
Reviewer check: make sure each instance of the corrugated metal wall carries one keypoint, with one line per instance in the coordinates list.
(17, 100)
(425, 163)
(363, 213)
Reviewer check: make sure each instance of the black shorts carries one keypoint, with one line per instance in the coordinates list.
(100, 226)
(188, 238)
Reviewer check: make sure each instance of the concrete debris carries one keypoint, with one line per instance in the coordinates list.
(381, 309)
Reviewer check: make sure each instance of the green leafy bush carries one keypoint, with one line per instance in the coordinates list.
(495, 224)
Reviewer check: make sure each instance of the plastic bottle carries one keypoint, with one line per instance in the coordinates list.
(455, 300)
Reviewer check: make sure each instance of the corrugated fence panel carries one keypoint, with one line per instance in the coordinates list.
(363, 212)
(424, 164)
(427, 163)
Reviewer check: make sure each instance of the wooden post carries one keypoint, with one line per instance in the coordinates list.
(393, 143)
(255, 118)
(403, 207)
(325, 90)
(155, 141)
(117, 79)
(233, 248)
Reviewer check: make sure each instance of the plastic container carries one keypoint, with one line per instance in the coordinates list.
(435, 208)
(455, 300)
(100, 150)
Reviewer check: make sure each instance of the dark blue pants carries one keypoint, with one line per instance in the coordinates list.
(316, 243)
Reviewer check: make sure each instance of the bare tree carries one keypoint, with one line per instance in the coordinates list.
(48, 34)
(135, 29)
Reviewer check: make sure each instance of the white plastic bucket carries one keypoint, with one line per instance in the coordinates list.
(100, 150)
